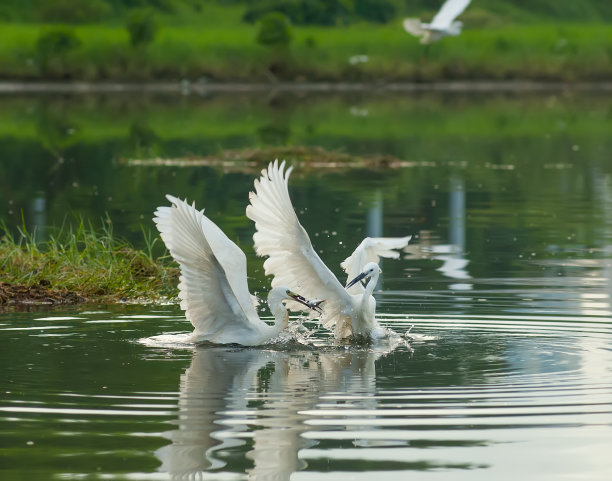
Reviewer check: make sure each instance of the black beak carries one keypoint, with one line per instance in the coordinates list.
(357, 279)
(314, 305)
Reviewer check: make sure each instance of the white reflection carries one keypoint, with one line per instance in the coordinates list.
(454, 264)
(230, 396)
(374, 225)
(38, 215)
(598, 303)
(595, 350)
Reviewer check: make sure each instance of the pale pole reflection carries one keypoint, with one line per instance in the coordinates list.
(374, 226)
(595, 305)
(452, 254)
(229, 395)
(38, 215)
(598, 303)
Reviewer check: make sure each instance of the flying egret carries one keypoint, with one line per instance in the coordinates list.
(442, 25)
(213, 284)
(292, 259)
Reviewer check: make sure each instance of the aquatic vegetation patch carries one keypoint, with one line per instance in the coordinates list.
(250, 159)
(81, 264)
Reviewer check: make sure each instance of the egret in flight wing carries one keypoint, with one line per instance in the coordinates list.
(442, 25)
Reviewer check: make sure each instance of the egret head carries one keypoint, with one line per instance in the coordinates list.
(370, 270)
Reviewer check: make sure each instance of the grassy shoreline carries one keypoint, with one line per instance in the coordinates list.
(570, 52)
(81, 265)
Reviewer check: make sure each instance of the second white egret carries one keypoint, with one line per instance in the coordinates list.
(293, 261)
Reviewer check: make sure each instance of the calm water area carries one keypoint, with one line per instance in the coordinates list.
(502, 302)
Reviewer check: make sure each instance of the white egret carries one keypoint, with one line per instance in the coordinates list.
(292, 259)
(213, 284)
(442, 25)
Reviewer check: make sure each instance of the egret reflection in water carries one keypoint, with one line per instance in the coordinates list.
(264, 399)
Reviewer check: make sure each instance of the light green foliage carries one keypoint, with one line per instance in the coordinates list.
(274, 30)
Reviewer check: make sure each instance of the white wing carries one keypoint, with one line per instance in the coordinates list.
(449, 11)
(291, 257)
(213, 284)
(371, 249)
(414, 26)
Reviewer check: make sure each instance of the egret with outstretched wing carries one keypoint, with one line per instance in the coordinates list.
(213, 284)
(293, 261)
(442, 25)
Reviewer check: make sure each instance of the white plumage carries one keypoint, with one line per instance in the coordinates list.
(371, 249)
(213, 284)
(293, 261)
(442, 25)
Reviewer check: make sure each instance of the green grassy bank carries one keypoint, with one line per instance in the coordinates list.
(84, 264)
(548, 52)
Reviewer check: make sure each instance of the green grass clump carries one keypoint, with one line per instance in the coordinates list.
(90, 262)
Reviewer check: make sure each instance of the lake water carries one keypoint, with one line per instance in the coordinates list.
(505, 373)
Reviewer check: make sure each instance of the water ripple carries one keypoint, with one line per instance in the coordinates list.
(475, 389)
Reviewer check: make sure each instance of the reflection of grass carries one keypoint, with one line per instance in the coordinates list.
(385, 118)
(228, 52)
(92, 263)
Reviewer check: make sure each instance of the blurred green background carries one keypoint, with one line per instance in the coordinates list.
(297, 40)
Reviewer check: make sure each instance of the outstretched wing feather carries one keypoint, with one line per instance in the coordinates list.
(448, 12)
(371, 249)
(212, 287)
(291, 258)
(414, 27)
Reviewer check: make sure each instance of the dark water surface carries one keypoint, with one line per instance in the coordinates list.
(505, 289)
